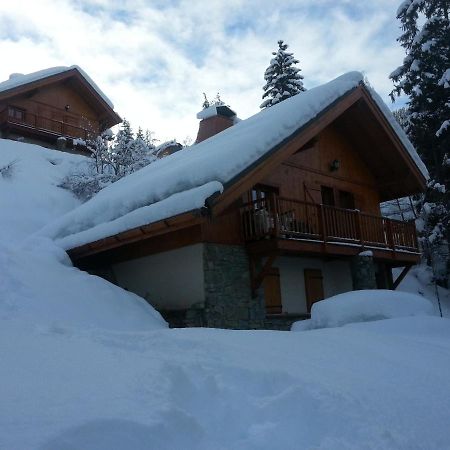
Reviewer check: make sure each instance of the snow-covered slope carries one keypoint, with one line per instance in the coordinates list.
(420, 281)
(86, 365)
(379, 385)
(29, 197)
(38, 284)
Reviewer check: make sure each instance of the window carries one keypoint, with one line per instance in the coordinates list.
(346, 200)
(263, 195)
(16, 113)
(327, 195)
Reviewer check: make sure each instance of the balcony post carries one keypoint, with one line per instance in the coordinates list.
(322, 224)
(276, 207)
(359, 228)
(390, 236)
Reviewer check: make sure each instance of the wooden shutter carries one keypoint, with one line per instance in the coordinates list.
(313, 286)
(272, 291)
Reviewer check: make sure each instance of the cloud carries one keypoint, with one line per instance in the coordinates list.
(154, 59)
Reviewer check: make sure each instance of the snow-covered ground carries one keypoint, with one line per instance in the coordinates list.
(86, 365)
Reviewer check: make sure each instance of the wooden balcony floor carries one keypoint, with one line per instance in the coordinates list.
(311, 247)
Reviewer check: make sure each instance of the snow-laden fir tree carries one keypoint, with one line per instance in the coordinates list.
(122, 150)
(283, 79)
(424, 77)
(142, 151)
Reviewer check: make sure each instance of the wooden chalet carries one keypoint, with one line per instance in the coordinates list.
(61, 102)
(300, 223)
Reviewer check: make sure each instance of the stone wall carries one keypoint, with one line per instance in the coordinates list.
(363, 272)
(228, 299)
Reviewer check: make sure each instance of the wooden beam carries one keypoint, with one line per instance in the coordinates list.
(400, 278)
(137, 234)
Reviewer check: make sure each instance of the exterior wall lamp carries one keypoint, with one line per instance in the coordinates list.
(67, 107)
(334, 166)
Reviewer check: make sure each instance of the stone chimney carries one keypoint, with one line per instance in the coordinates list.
(213, 120)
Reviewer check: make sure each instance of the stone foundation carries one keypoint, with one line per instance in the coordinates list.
(228, 299)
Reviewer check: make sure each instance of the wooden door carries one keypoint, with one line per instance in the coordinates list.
(313, 286)
(272, 291)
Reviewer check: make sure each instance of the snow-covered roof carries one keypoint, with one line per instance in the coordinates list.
(18, 79)
(183, 181)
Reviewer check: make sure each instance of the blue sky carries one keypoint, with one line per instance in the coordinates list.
(154, 59)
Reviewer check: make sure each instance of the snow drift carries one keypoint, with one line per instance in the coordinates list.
(363, 306)
(38, 284)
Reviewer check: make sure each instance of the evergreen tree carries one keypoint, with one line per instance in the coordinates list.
(283, 79)
(142, 150)
(122, 150)
(424, 77)
(401, 115)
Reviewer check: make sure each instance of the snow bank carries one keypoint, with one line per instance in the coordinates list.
(38, 285)
(29, 195)
(420, 281)
(363, 306)
(19, 79)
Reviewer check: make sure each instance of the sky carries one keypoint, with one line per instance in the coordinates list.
(155, 58)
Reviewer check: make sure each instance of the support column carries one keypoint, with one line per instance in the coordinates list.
(363, 272)
(228, 297)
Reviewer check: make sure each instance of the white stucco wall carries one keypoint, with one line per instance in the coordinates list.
(337, 278)
(168, 280)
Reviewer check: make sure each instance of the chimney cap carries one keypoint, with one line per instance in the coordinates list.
(216, 110)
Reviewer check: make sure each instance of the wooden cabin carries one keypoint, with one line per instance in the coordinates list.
(59, 108)
(299, 223)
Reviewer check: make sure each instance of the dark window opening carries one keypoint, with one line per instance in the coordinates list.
(327, 195)
(16, 113)
(263, 195)
(346, 200)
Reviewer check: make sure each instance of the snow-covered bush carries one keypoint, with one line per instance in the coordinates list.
(363, 306)
(113, 157)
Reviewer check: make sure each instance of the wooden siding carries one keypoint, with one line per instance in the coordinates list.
(303, 174)
(300, 178)
(45, 109)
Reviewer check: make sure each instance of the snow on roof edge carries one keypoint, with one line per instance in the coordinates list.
(176, 204)
(220, 159)
(20, 80)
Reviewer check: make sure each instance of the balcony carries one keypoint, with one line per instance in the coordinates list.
(313, 228)
(22, 121)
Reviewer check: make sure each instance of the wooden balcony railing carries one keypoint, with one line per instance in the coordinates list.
(292, 219)
(41, 123)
